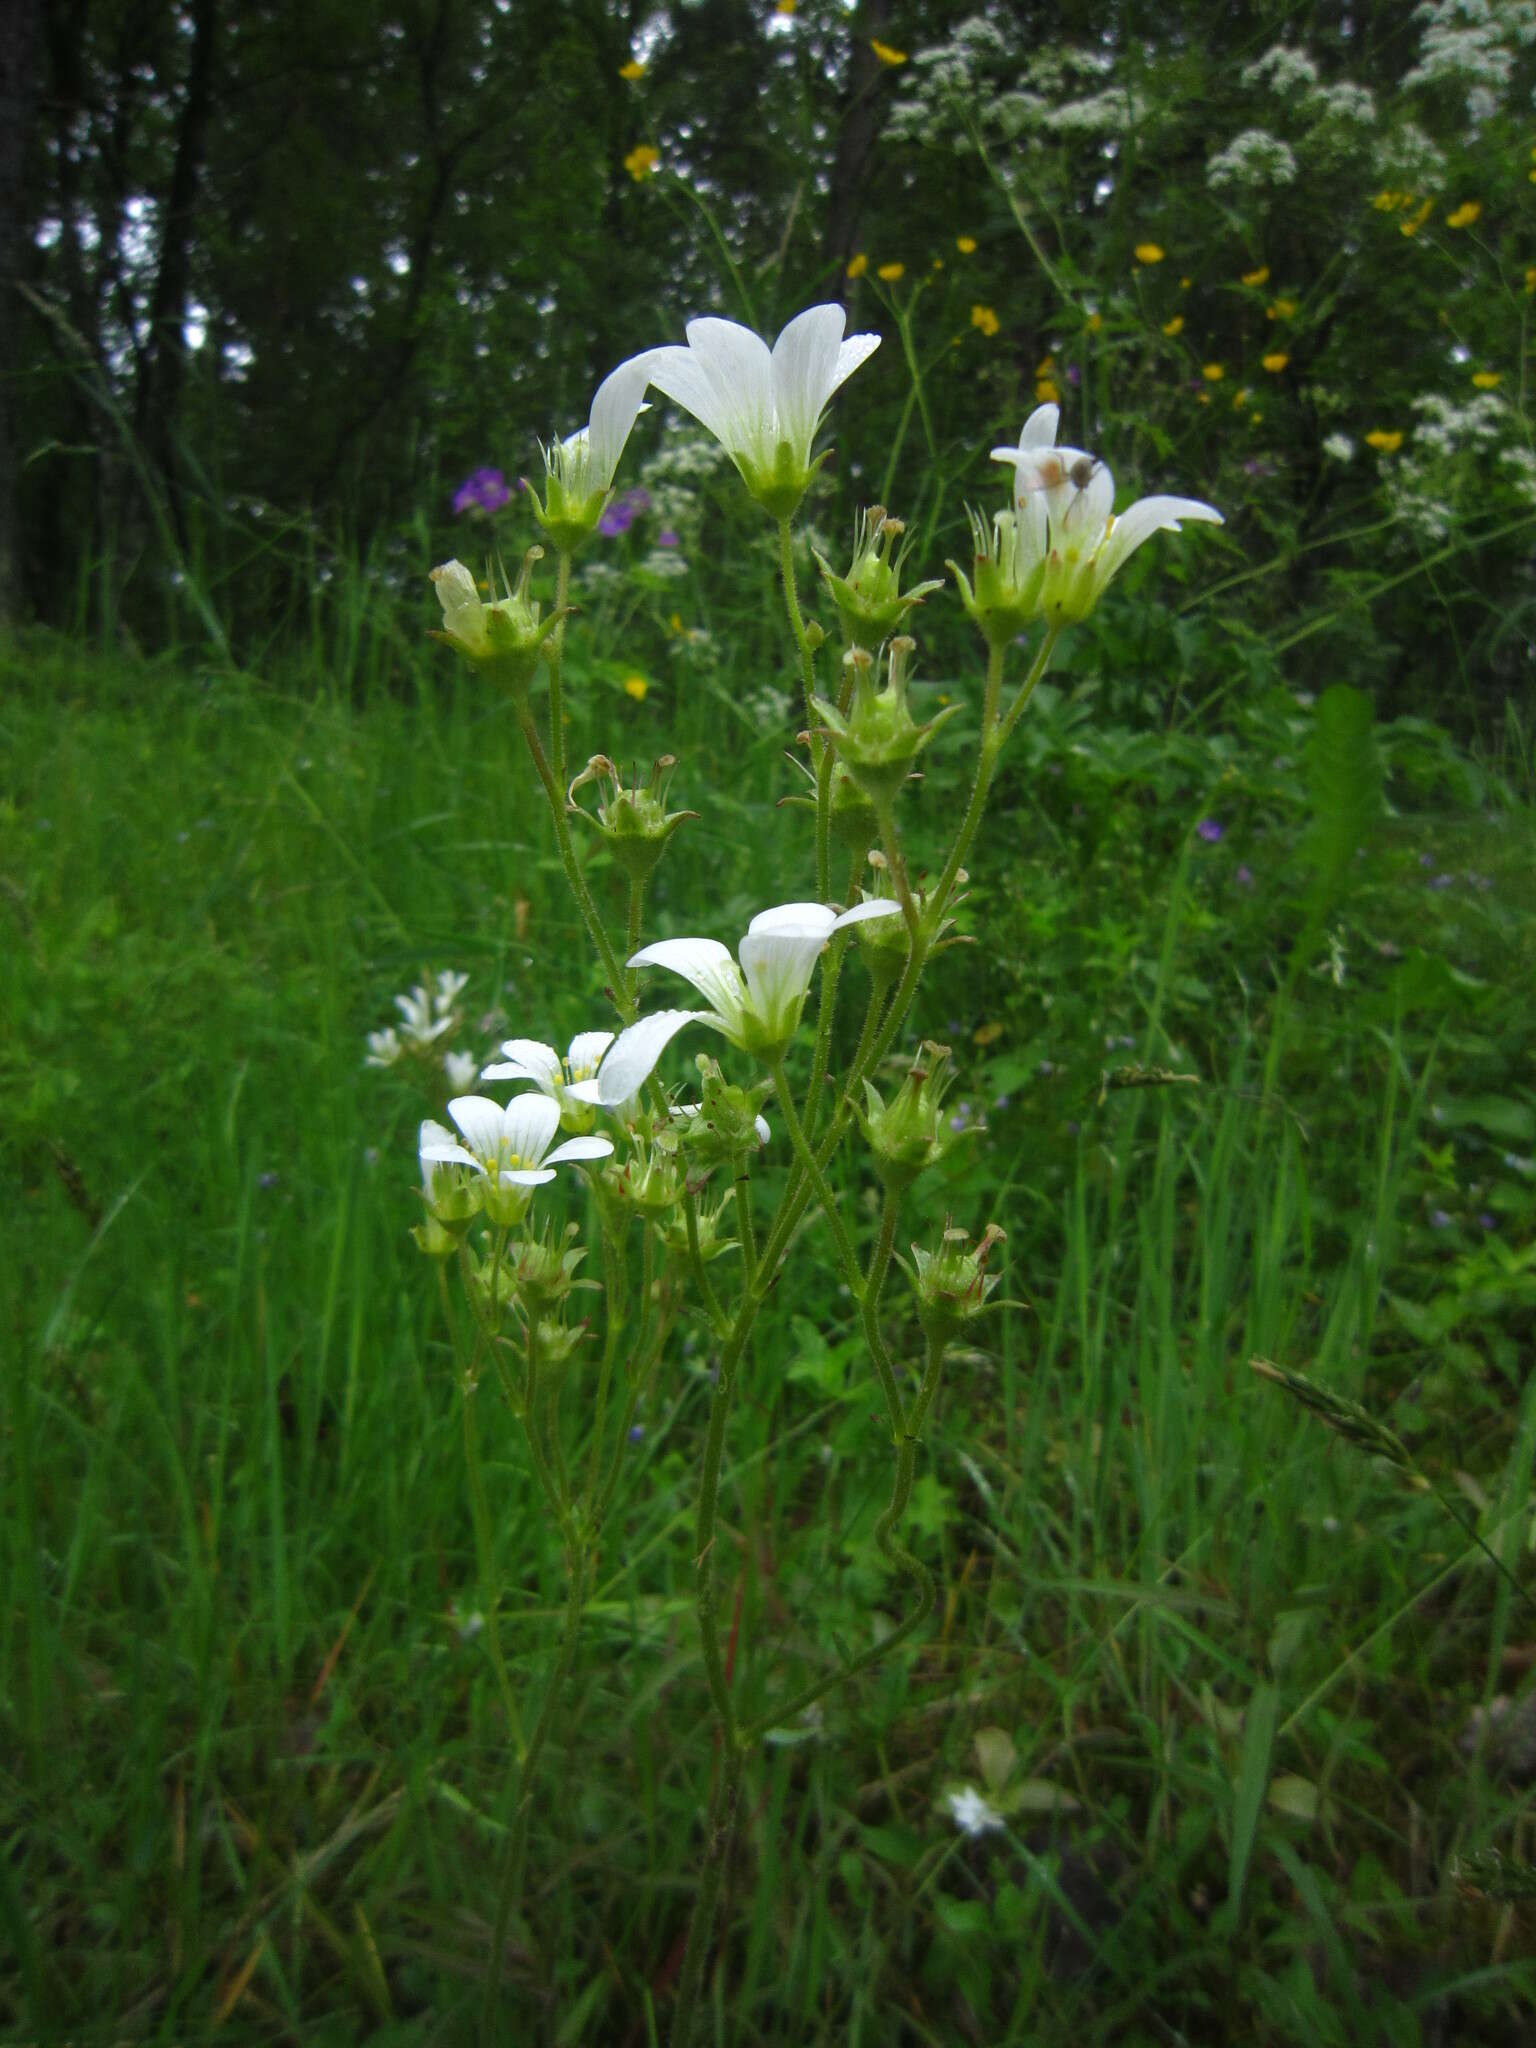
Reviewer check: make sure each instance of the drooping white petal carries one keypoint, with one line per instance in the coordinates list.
(857, 349)
(614, 411)
(1146, 517)
(529, 1122)
(633, 1055)
(526, 1059)
(794, 917)
(579, 1148)
(1089, 509)
(526, 1176)
(589, 1091)
(705, 963)
(804, 369)
(481, 1122)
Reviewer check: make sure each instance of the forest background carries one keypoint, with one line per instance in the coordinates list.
(1247, 1705)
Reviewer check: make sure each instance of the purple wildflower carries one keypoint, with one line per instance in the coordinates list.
(1244, 876)
(1210, 831)
(668, 539)
(636, 1432)
(481, 494)
(1439, 1219)
(622, 513)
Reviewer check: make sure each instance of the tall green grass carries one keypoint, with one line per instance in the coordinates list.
(259, 1758)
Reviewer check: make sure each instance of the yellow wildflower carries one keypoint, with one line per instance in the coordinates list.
(1282, 309)
(966, 244)
(1465, 214)
(676, 622)
(1385, 442)
(1254, 418)
(1275, 362)
(1487, 380)
(984, 318)
(1415, 221)
(1047, 392)
(886, 54)
(641, 161)
(784, 7)
(633, 69)
(1175, 325)
(1530, 279)
(1240, 398)
(636, 687)
(1204, 398)
(987, 1034)
(1045, 366)
(1147, 252)
(858, 265)
(1259, 276)
(1387, 202)
(1212, 372)
(1183, 284)
(891, 271)
(1096, 320)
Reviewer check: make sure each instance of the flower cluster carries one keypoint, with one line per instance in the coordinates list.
(427, 1016)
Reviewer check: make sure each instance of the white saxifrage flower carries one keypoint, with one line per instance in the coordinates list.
(509, 1147)
(579, 470)
(1064, 505)
(763, 405)
(570, 1083)
(755, 1005)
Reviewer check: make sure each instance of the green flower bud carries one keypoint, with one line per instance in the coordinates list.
(504, 638)
(635, 821)
(555, 1343)
(646, 1184)
(544, 1270)
(1009, 578)
(869, 599)
(909, 1135)
(952, 1284)
(723, 1125)
(878, 740)
(713, 1238)
(855, 822)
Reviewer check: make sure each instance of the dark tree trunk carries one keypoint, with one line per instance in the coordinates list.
(164, 365)
(860, 119)
(20, 54)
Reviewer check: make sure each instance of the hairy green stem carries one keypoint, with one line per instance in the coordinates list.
(806, 1155)
(556, 666)
(821, 753)
(554, 796)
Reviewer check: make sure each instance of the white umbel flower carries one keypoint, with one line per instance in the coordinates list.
(755, 1005)
(1064, 499)
(762, 405)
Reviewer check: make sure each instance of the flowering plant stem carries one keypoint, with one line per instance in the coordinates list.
(821, 753)
(554, 796)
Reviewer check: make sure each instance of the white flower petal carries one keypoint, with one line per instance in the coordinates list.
(579, 1148)
(804, 370)
(739, 369)
(437, 1146)
(872, 906)
(527, 1060)
(614, 410)
(633, 1055)
(480, 1121)
(760, 1124)
(856, 350)
(679, 375)
(778, 965)
(526, 1176)
(705, 963)
(1146, 517)
(801, 917)
(586, 1051)
(529, 1122)
(586, 1091)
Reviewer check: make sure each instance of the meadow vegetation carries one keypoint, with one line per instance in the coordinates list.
(1223, 1726)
